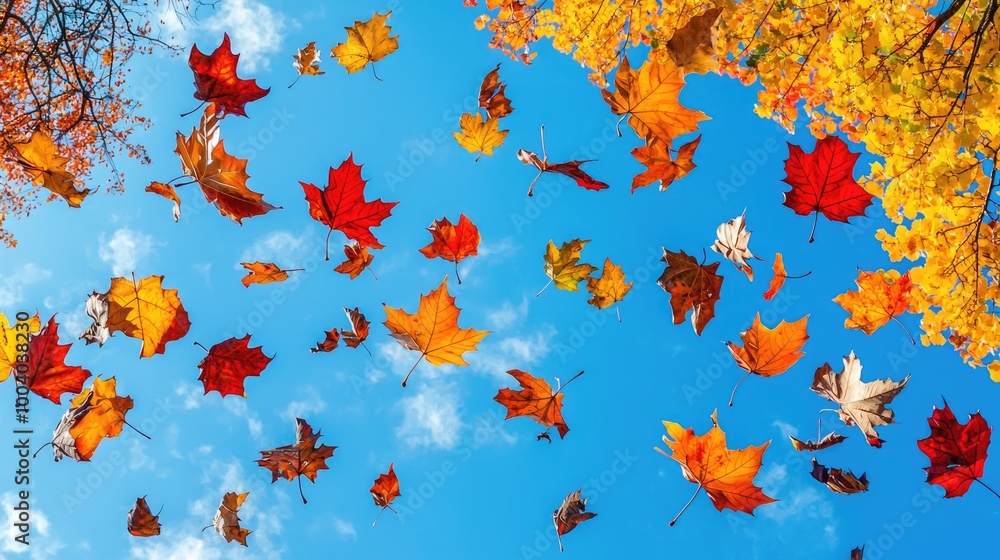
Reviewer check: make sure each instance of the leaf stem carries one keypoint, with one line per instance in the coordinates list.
(366, 348)
(686, 505)
(200, 345)
(456, 273)
(543, 288)
(328, 234)
(561, 386)
(907, 331)
(987, 487)
(812, 232)
(532, 185)
(202, 104)
(304, 501)
(374, 73)
(372, 271)
(618, 311)
(733, 395)
(295, 82)
(412, 368)
(136, 430)
(618, 125)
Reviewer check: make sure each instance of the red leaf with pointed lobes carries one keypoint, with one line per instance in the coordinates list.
(452, 242)
(384, 491)
(536, 399)
(229, 363)
(215, 80)
(570, 169)
(48, 376)
(342, 206)
(302, 458)
(823, 182)
(957, 451)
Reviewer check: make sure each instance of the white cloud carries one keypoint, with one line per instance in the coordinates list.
(239, 407)
(191, 393)
(255, 29)
(42, 544)
(12, 285)
(508, 314)
(431, 417)
(313, 403)
(345, 529)
(512, 352)
(125, 249)
(489, 254)
(177, 547)
(283, 248)
(786, 429)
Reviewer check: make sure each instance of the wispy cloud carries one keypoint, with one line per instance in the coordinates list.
(12, 285)
(431, 417)
(125, 250)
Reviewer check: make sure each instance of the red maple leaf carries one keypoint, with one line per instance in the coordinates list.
(229, 363)
(48, 375)
(342, 205)
(823, 182)
(568, 168)
(957, 451)
(215, 80)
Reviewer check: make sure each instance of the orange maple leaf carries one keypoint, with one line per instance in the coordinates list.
(882, 296)
(726, 475)
(433, 330)
(452, 242)
(537, 400)
(299, 459)
(769, 352)
(265, 273)
(141, 521)
(358, 259)
(142, 310)
(96, 413)
(384, 491)
(655, 155)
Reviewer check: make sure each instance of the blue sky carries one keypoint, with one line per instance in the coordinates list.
(473, 485)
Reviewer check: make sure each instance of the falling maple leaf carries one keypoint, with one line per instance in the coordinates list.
(359, 329)
(769, 352)
(141, 521)
(726, 475)
(778, 280)
(492, 96)
(732, 242)
(229, 363)
(433, 330)
(227, 519)
(299, 459)
(823, 182)
(839, 481)
(10, 339)
(608, 288)
(571, 513)
(47, 374)
(692, 47)
(570, 169)
(563, 267)
(96, 413)
(655, 155)
(40, 159)
(384, 491)
(168, 192)
(265, 273)
(858, 553)
(649, 98)
(328, 344)
(882, 296)
(367, 42)
(957, 451)
(342, 206)
(306, 62)
(357, 260)
(216, 81)
(221, 177)
(692, 287)
(860, 403)
(479, 135)
(452, 242)
(829, 440)
(535, 399)
(143, 310)
(97, 308)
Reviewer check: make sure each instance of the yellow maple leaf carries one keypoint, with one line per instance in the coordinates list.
(608, 288)
(692, 47)
(562, 265)
(40, 159)
(9, 342)
(649, 97)
(478, 135)
(264, 273)
(433, 330)
(882, 296)
(367, 41)
(147, 312)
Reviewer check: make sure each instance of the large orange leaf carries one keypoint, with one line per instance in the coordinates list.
(537, 400)
(692, 286)
(769, 352)
(649, 97)
(367, 42)
(726, 475)
(48, 376)
(9, 341)
(227, 519)
(433, 330)
(141, 521)
(384, 491)
(299, 459)
(452, 242)
(143, 310)
(221, 177)
(229, 363)
(96, 413)
(216, 82)
(882, 296)
(41, 160)
(342, 206)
